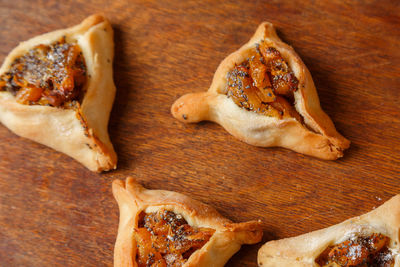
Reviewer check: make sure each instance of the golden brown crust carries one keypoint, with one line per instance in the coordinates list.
(319, 138)
(304, 249)
(80, 133)
(132, 199)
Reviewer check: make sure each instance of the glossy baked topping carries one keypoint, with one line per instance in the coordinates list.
(264, 83)
(166, 239)
(358, 251)
(51, 75)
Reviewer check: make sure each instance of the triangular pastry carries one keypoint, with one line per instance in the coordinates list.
(371, 239)
(264, 95)
(164, 228)
(57, 89)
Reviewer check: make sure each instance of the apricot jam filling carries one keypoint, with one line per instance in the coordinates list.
(358, 252)
(51, 75)
(264, 83)
(164, 238)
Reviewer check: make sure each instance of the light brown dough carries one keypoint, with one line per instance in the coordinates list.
(304, 249)
(82, 133)
(318, 137)
(132, 199)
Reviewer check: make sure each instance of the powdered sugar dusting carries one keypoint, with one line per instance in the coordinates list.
(355, 252)
(387, 257)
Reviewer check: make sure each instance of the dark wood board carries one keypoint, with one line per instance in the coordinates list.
(54, 212)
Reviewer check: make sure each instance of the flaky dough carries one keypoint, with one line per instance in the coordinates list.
(318, 138)
(132, 199)
(81, 133)
(304, 249)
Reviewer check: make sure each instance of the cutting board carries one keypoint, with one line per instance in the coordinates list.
(54, 212)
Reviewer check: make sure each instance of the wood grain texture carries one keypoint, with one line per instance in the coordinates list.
(54, 212)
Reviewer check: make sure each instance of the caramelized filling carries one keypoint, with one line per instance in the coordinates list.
(52, 75)
(264, 83)
(166, 239)
(359, 252)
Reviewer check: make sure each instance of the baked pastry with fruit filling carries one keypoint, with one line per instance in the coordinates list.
(164, 228)
(57, 89)
(370, 240)
(264, 95)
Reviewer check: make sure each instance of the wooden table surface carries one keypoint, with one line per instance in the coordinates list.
(54, 212)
